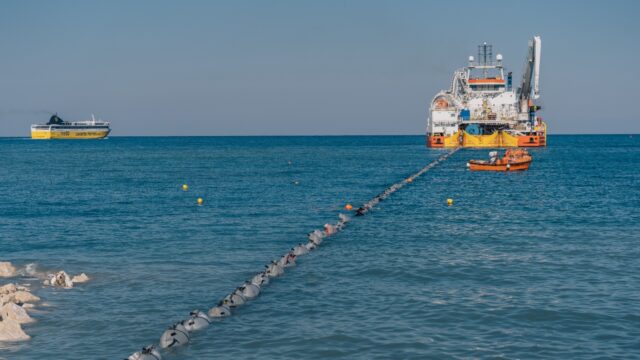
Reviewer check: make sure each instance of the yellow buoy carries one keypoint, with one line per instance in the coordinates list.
(409, 180)
(348, 207)
(449, 202)
(185, 187)
(200, 201)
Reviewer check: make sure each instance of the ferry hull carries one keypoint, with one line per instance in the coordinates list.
(69, 134)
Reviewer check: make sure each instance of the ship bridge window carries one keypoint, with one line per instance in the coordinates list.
(487, 87)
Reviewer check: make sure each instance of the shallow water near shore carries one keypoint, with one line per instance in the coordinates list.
(538, 264)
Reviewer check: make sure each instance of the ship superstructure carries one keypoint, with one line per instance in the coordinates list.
(483, 109)
(57, 128)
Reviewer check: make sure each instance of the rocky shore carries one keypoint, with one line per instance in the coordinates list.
(17, 299)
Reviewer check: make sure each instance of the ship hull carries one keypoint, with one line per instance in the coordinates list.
(497, 140)
(69, 134)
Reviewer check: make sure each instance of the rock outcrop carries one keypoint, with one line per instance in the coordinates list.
(60, 279)
(82, 278)
(21, 297)
(10, 330)
(8, 289)
(16, 299)
(15, 312)
(7, 269)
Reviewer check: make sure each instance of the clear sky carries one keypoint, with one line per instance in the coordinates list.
(304, 67)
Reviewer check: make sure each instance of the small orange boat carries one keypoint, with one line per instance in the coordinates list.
(513, 160)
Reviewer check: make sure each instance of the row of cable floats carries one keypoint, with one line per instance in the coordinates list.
(179, 333)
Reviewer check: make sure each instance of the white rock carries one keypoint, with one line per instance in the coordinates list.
(21, 297)
(80, 278)
(60, 279)
(10, 330)
(5, 298)
(15, 312)
(8, 288)
(7, 269)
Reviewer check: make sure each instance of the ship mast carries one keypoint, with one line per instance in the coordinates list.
(485, 56)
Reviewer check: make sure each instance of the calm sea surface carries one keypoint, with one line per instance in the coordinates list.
(540, 264)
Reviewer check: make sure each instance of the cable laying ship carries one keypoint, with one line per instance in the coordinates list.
(57, 128)
(483, 110)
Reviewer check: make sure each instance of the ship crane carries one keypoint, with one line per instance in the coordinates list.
(531, 73)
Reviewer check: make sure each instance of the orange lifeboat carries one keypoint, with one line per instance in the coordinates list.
(513, 160)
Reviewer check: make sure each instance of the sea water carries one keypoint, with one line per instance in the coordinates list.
(536, 264)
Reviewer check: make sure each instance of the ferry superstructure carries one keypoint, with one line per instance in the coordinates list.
(57, 128)
(482, 109)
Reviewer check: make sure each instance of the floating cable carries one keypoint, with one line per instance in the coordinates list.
(179, 333)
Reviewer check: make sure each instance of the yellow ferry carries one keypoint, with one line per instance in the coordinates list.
(57, 128)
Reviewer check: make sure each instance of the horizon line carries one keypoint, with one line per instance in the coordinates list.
(308, 135)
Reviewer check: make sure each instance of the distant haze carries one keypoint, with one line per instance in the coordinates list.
(303, 67)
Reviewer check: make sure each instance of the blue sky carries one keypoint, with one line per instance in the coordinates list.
(303, 67)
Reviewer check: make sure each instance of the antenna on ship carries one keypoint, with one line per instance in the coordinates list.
(485, 54)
